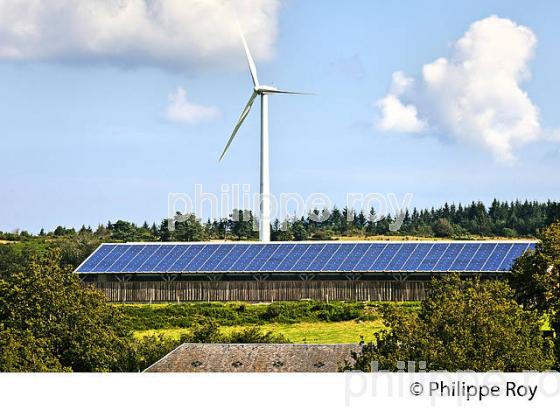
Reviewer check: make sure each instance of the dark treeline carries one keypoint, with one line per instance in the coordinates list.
(500, 219)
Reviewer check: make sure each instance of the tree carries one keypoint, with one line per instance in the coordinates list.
(462, 325)
(382, 226)
(241, 224)
(299, 231)
(123, 231)
(189, 229)
(10, 260)
(371, 222)
(20, 351)
(535, 277)
(281, 231)
(442, 228)
(47, 315)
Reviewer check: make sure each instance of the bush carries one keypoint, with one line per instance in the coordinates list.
(285, 312)
(338, 312)
(535, 277)
(144, 352)
(255, 335)
(207, 330)
(462, 325)
(20, 351)
(45, 308)
(443, 228)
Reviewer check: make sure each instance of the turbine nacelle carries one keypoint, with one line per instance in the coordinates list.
(263, 89)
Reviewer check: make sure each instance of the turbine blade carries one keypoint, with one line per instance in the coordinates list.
(239, 122)
(252, 67)
(287, 92)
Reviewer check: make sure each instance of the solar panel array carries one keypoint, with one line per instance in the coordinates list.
(304, 257)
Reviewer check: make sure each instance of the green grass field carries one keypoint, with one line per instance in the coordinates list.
(299, 322)
(304, 332)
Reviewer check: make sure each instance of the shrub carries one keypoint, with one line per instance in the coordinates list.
(207, 330)
(45, 308)
(535, 278)
(254, 334)
(462, 325)
(144, 352)
(20, 351)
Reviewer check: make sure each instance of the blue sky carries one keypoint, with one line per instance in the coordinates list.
(85, 137)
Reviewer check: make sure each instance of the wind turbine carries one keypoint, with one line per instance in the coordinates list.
(263, 91)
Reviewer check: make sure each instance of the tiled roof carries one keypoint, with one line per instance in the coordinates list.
(217, 357)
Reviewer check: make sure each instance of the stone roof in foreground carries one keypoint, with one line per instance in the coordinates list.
(217, 357)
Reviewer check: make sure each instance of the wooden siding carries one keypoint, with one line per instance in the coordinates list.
(260, 291)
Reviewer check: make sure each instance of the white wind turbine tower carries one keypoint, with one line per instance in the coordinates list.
(263, 91)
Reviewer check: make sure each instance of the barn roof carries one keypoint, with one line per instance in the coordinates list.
(217, 357)
(313, 257)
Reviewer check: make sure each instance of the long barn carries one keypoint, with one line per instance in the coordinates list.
(253, 271)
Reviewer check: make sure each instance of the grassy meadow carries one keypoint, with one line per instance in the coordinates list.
(305, 332)
(300, 322)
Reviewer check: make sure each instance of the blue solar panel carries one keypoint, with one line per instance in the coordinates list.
(281, 252)
(211, 263)
(401, 256)
(139, 260)
(90, 264)
(417, 256)
(448, 257)
(226, 263)
(322, 257)
(155, 259)
(259, 260)
(385, 257)
(464, 257)
(125, 259)
(432, 258)
(481, 256)
(198, 260)
(495, 259)
(338, 257)
(185, 258)
(170, 258)
(370, 256)
(291, 258)
(111, 258)
(515, 252)
(354, 257)
(246, 258)
(305, 257)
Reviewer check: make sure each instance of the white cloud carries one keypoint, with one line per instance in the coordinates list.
(401, 83)
(182, 110)
(474, 96)
(173, 34)
(395, 116)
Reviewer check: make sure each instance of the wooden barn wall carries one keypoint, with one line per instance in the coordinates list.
(261, 291)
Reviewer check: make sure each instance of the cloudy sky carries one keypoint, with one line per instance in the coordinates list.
(108, 106)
